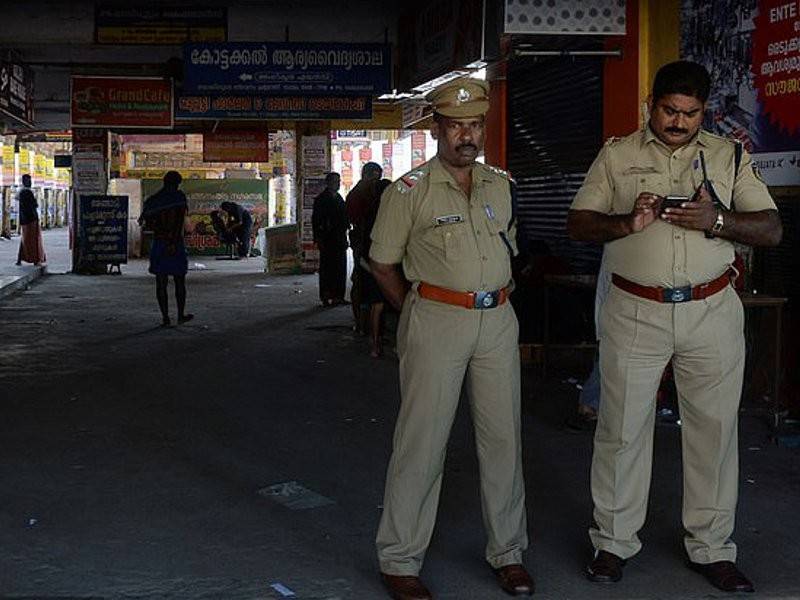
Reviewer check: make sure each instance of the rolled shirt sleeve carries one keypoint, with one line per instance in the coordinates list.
(596, 193)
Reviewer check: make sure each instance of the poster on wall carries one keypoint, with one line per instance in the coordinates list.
(752, 51)
(16, 91)
(569, 17)
(159, 24)
(205, 196)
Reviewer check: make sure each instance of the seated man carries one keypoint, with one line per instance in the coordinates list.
(240, 225)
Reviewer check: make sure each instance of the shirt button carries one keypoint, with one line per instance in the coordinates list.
(676, 181)
(483, 258)
(677, 236)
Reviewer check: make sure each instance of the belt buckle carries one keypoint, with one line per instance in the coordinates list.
(485, 300)
(680, 294)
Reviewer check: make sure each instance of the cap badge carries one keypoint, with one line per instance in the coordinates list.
(463, 95)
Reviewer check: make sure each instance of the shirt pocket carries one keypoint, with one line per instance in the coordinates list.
(451, 240)
(633, 181)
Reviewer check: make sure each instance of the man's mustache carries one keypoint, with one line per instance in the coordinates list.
(473, 146)
(676, 130)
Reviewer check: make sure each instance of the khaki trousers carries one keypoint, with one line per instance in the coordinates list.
(441, 347)
(705, 339)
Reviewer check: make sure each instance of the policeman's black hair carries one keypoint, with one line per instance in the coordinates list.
(26, 180)
(331, 176)
(682, 77)
(172, 179)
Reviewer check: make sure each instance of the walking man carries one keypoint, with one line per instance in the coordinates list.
(671, 298)
(450, 223)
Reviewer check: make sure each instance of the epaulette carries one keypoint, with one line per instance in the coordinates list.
(407, 182)
(498, 171)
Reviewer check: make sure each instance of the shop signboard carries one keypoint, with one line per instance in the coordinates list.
(252, 68)
(103, 229)
(16, 91)
(121, 102)
(294, 108)
(237, 146)
(156, 24)
(753, 56)
(206, 195)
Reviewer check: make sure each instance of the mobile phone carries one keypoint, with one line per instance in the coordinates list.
(673, 201)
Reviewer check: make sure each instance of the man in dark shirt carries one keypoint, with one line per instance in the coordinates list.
(31, 247)
(240, 223)
(329, 222)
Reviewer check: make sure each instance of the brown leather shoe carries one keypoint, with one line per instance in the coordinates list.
(514, 580)
(405, 587)
(724, 575)
(605, 568)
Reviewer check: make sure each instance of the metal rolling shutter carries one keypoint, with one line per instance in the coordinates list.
(555, 131)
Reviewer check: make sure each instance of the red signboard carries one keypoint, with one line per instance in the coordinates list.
(121, 102)
(236, 146)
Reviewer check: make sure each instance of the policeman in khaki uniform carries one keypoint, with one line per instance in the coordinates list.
(671, 298)
(450, 223)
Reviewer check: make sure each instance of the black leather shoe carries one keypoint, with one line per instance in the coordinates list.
(514, 580)
(724, 576)
(405, 587)
(605, 568)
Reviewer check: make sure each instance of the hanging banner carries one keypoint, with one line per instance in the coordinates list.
(386, 162)
(252, 68)
(159, 24)
(755, 73)
(16, 92)
(103, 229)
(236, 146)
(121, 102)
(417, 149)
(570, 17)
(294, 108)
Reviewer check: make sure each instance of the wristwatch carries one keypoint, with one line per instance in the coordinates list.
(718, 224)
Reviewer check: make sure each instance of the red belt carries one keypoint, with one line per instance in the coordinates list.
(479, 300)
(679, 294)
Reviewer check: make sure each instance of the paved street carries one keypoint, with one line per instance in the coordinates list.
(137, 462)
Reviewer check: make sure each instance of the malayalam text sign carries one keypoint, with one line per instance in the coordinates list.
(103, 230)
(248, 68)
(295, 108)
(16, 92)
(121, 102)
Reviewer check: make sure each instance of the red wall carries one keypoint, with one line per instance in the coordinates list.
(621, 79)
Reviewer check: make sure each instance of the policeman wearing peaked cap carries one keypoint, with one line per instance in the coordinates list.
(450, 224)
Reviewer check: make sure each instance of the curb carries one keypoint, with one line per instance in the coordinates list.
(10, 284)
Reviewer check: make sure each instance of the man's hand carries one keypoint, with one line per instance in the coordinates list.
(700, 214)
(645, 211)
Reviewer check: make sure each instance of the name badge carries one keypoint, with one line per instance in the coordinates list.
(449, 220)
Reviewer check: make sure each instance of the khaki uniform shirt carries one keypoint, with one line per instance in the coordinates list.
(663, 254)
(442, 237)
